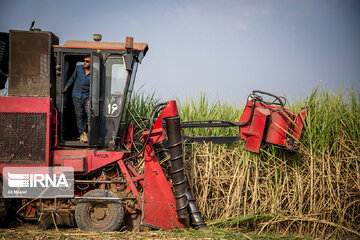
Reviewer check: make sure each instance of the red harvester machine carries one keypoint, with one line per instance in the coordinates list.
(38, 129)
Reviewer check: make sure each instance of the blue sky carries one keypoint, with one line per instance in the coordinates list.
(225, 48)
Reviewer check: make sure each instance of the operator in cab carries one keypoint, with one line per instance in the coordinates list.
(80, 96)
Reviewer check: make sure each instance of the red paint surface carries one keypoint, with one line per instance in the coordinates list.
(299, 123)
(169, 111)
(29, 105)
(255, 133)
(130, 182)
(270, 124)
(159, 209)
(93, 159)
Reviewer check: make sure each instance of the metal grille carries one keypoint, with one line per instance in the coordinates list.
(22, 138)
(30, 60)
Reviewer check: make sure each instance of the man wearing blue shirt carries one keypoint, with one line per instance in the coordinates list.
(80, 95)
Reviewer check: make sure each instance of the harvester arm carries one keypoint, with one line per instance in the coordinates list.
(261, 121)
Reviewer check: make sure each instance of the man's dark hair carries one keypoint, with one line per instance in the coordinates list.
(87, 56)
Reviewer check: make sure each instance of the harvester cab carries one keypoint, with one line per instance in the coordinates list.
(113, 69)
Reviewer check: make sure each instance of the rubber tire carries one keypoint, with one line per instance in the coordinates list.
(83, 220)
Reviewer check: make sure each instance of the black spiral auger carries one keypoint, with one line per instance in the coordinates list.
(185, 203)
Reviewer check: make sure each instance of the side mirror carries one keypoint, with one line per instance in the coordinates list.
(128, 61)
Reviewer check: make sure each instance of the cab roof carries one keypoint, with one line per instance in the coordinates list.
(103, 45)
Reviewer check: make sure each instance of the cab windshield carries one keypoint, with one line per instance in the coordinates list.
(115, 83)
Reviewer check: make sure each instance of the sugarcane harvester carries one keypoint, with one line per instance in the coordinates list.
(38, 129)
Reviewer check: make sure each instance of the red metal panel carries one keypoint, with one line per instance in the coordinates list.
(29, 105)
(128, 135)
(169, 111)
(244, 117)
(159, 209)
(25, 104)
(158, 133)
(94, 159)
(77, 163)
(276, 131)
(102, 158)
(130, 181)
(137, 177)
(299, 124)
(280, 126)
(256, 131)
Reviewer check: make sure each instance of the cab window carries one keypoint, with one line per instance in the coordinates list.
(115, 83)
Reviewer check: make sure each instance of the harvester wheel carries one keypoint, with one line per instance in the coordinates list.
(99, 215)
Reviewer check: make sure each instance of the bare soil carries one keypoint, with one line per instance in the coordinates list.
(30, 231)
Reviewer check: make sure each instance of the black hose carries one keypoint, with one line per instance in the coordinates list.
(279, 99)
(281, 103)
(154, 112)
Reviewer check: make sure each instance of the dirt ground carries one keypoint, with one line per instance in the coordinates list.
(30, 231)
